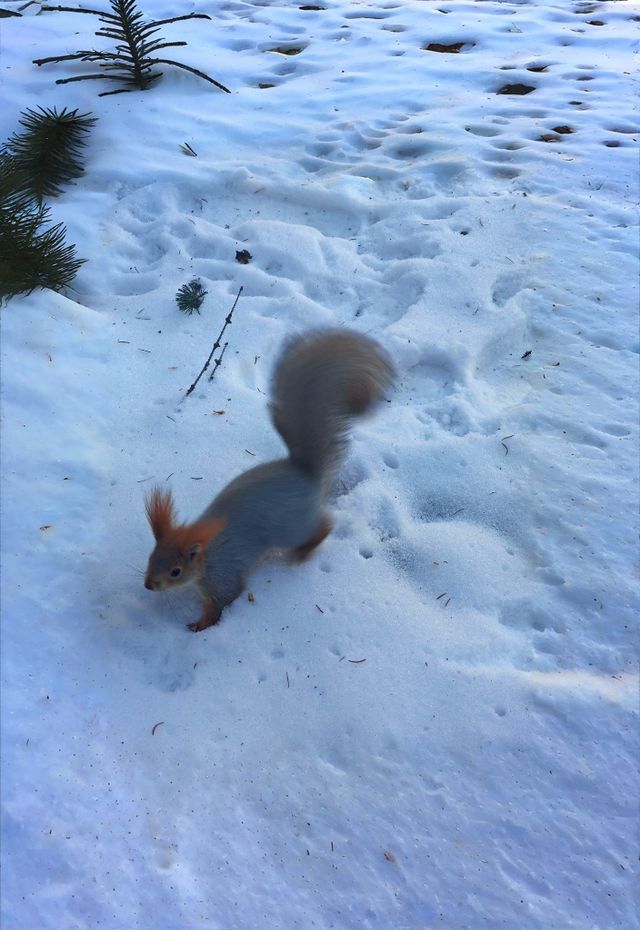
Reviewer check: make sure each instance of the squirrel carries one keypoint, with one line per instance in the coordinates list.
(321, 381)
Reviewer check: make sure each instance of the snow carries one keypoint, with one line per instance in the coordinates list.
(478, 768)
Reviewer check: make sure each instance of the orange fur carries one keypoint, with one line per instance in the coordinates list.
(162, 518)
(200, 533)
(160, 512)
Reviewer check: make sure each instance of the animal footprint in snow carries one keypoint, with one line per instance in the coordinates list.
(506, 287)
(388, 522)
(453, 417)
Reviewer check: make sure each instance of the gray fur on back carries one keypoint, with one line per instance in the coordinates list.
(271, 506)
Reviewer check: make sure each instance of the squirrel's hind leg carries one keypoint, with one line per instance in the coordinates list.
(301, 553)
(210, 616)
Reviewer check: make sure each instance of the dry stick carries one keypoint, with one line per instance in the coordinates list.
(218, 361)
(216, 344)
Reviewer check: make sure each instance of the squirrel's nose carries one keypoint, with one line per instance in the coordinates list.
(149, 585)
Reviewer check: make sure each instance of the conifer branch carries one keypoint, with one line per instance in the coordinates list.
(125, 25)
(78, 9)
(48, 153)
(75, 55)
(31, 255)
(175, 19)
(178, 64)
(33, 164)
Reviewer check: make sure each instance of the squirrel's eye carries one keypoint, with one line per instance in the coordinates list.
(176, 572)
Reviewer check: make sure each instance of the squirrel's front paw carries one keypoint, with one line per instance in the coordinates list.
(210, 616)
(199, 625)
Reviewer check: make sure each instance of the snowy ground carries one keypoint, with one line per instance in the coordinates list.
(478, 769)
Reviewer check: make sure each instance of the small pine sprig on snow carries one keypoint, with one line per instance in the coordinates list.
(190, 296)
(132, 59)
(48, 153)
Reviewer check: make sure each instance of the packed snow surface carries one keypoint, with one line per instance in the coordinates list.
(432, 723)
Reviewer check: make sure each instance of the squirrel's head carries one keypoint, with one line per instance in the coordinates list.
(179, 553)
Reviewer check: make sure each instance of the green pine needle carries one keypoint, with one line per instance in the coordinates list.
(48, 153)
(190, 296)
(31, 254)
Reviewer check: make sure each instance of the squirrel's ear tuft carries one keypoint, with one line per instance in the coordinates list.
(160, 512)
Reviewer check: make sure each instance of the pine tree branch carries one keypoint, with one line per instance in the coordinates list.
(175, 19)
(156, 46)
(127, 90)
(48, 153)
(178, 64)
(136, 41)
(77, 9)
(90, 77)
(110, 33)
(31, 256)
(75, 56)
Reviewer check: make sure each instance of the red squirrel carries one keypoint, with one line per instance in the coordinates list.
(321, 381)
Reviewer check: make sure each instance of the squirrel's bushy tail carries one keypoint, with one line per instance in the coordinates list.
(321, 381)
